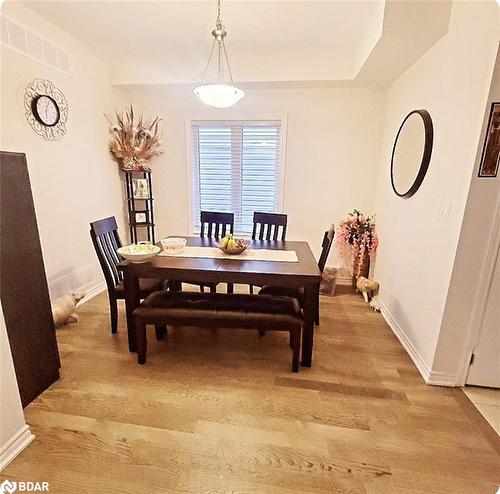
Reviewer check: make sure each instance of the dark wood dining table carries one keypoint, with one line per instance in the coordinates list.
(304, 273)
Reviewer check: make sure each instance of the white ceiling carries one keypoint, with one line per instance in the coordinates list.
(283, 41)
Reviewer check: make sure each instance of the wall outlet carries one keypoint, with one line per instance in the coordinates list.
(443, 211)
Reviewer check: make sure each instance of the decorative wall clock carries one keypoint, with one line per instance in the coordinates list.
(46, 109)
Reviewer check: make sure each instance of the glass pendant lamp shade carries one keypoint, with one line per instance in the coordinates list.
(219, 95)
(224, 93)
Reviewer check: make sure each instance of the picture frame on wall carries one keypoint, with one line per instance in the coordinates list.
(140, 188)
(490, 158)
(141, 217)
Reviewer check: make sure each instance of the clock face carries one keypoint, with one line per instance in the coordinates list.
(45, 110)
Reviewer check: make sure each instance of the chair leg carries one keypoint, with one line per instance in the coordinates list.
(113, 310)
(250, 289)
(316, 307)
(230, 288)
(295, 337)
(202, 289)
(262, 332)
(161, 331)
(140, 336)
(213, 288)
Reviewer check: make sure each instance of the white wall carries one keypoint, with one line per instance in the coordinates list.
(417, 250)
(333, 138)
(73, 180)
(14, 433)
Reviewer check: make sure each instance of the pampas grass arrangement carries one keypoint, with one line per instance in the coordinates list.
(133, 144)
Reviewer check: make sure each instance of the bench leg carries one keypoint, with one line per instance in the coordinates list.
(140, 336)
(295, 339)
(161, 331)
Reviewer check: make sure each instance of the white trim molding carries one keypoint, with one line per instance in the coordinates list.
(417, 359)
(92, 292)
(437, 378)
(87, 278)
(15, 445)
(434, 378)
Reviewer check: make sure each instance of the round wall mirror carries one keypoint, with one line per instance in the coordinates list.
(411, 153)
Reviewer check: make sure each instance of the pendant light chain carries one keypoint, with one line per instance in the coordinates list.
(218, 22)
(208, 63)
(219, 33)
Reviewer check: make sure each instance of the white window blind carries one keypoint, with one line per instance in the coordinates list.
(235, 168)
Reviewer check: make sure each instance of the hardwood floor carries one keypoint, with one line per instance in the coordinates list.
(217, 411)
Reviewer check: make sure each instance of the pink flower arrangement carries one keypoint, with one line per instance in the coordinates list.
(357, 238)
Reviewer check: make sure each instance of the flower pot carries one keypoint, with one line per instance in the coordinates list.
(364, 269)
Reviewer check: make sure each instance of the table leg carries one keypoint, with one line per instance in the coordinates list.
(308, 330)
(132, 300)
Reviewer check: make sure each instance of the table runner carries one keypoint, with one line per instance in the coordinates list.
(248, 255)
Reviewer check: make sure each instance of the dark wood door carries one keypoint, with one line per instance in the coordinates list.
(23, 284)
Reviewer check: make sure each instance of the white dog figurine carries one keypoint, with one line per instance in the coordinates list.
(367, 287)
(63, 309)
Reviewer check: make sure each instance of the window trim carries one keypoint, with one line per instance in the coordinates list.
(257, 119)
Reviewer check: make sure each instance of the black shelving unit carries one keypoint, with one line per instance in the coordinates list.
(140, 206)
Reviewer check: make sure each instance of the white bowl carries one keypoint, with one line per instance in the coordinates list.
(173, 245)
(139, 253)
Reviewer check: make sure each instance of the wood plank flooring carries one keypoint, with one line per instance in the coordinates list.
(218, 412)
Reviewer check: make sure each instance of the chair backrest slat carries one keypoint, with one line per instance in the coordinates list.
(325, 247)
(104, 235)
(216, 223)
(267, 225)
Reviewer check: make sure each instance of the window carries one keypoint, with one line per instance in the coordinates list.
(235, 168)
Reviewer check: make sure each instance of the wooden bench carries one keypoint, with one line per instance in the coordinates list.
(219, 310)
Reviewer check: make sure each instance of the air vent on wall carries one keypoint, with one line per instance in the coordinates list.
(23, 40)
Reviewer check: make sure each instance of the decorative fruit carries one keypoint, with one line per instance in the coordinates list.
(231, 245)
(225, 241)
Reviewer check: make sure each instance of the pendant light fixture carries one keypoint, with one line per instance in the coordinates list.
(223, 94)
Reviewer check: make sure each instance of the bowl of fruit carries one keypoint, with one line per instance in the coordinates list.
(233, 246)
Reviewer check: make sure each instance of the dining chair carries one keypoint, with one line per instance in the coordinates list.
(298, 293)
(106, 240)
(215, 225)
(266, 226)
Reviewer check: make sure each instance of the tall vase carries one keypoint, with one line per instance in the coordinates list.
(364, 268)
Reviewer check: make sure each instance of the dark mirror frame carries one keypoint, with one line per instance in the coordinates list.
(426, 156)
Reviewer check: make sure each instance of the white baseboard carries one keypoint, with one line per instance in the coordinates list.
(432, 377)
(87, 279)
(91, 292)
(73, 280)
(437, 378)
(16, 444)
(417, 359)
(344, 280)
